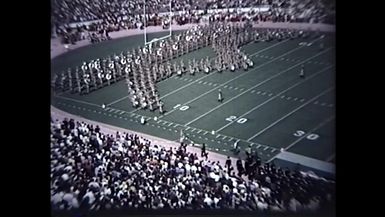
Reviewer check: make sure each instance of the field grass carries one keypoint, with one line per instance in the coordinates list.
(269, 106)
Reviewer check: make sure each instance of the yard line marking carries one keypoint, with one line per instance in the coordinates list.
(230, 139)
(258, 146)
(224, 137)
(217, 136)
(79, 101)
(118, 100)
(272, 98)
(266, 148)
(287, 115)
(169, 125)
(187, 128)
(205, 133)
(193, 129)
(259, 84)
(199, 131)
(304, 136)
(243, 74)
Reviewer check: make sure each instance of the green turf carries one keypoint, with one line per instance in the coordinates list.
(251, 94)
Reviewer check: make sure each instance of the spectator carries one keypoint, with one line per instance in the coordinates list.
(127, 171)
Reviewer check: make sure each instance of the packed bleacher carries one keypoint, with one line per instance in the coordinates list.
(95, 171)
(116, 15)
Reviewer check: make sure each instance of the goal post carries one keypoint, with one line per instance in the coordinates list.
(145, 14)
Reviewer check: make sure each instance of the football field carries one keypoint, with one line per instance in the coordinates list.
(268, 107)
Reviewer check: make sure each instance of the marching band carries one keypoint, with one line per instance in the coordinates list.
(143, 67)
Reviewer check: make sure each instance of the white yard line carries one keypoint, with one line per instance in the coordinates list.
(174, 91)
(304, 136)
(241, 75)
(287, 115)
(311, 131)
(274, 97)
(259, 84)
(79, 101)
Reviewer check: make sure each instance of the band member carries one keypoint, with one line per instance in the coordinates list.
(302, 73)
(220, 98)
(142, 120)
(161, 104)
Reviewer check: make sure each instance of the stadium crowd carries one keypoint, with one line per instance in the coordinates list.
(116, 15)
(96, 171)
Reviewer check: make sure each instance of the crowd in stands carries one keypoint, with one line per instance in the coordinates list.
(116, 15)
(96, 171)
